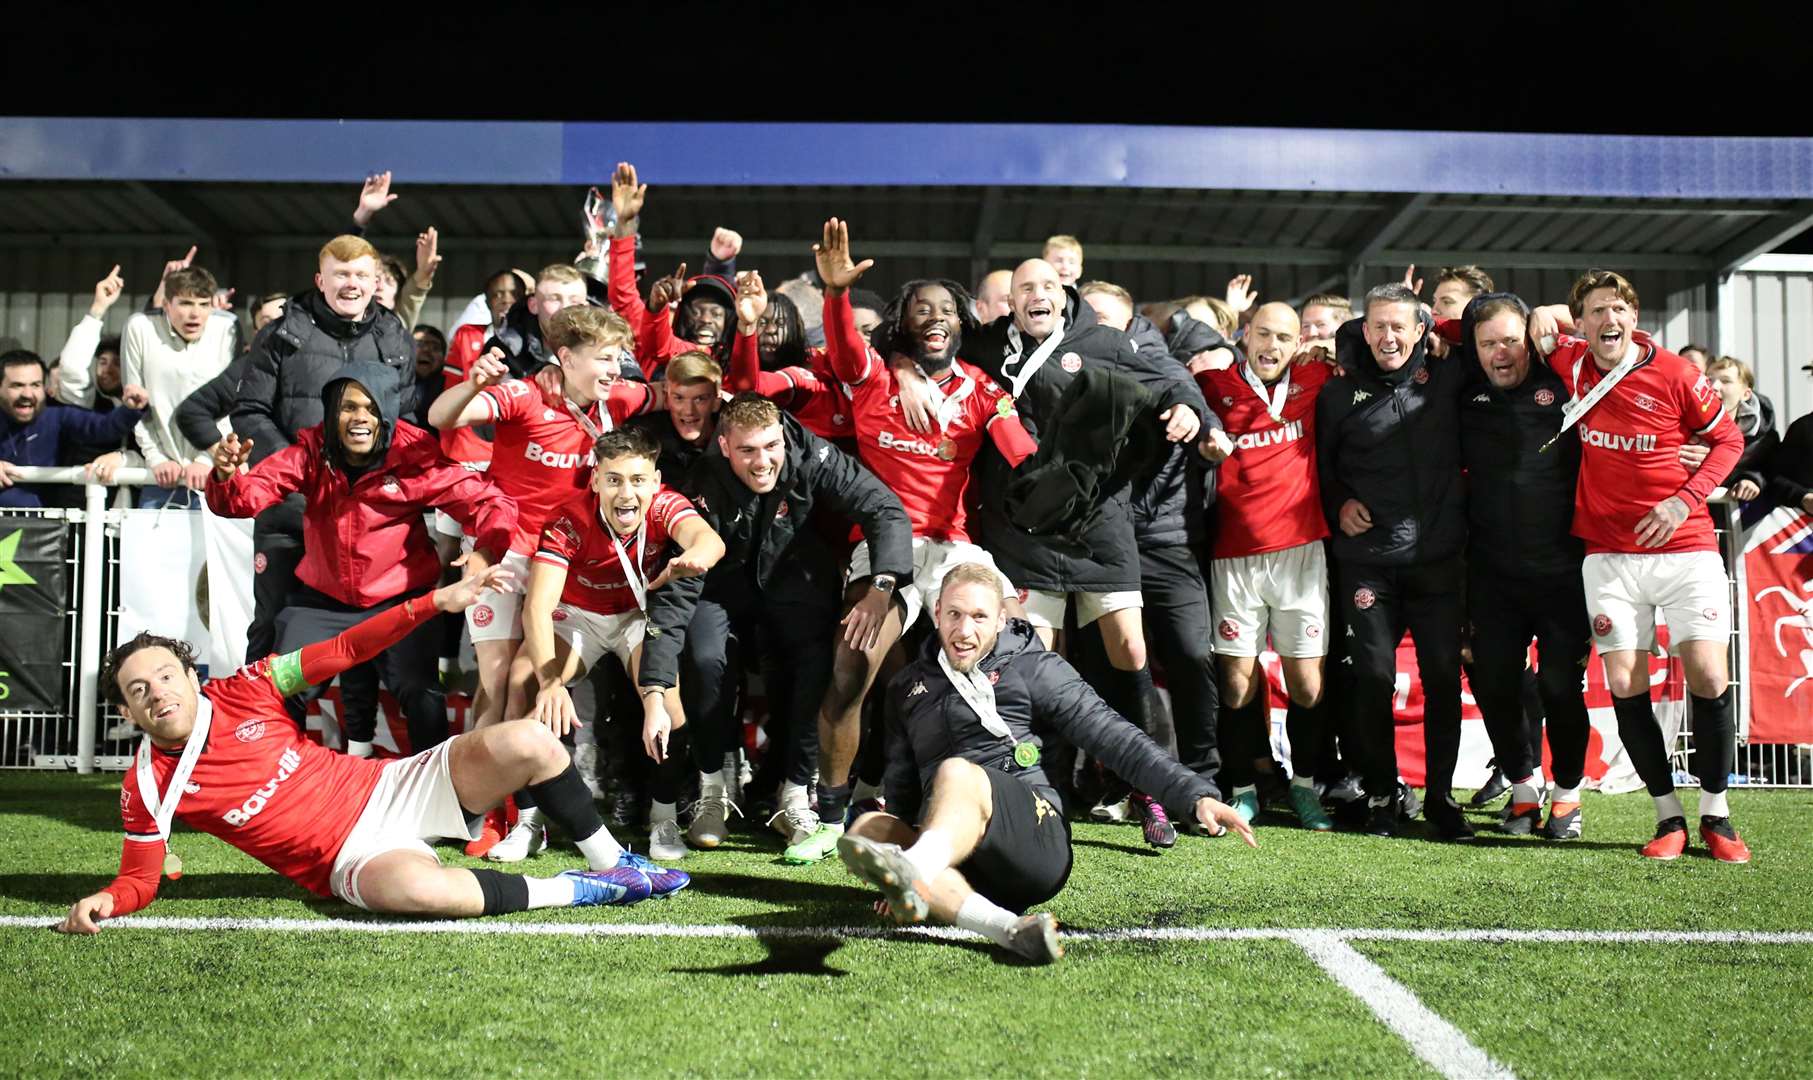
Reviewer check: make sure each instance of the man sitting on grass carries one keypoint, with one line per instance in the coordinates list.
(966, 724)
(242, 770)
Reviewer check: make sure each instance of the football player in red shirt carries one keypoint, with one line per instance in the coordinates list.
(810, 391)
(929, 474)
(588, 591)
(1649, 539)
(227, 759)
(1269, 568)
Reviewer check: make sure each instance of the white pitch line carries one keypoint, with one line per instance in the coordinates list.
(490, 927)
(1446, 1049)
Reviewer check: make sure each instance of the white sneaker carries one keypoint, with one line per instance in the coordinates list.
(524, 840)
(1106, 811)
(795, 823)
(711, 821)
(664, 842)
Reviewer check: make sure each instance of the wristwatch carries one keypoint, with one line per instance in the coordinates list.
(883, 582)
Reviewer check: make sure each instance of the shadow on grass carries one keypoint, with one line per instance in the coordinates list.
(1125, 849)
(67, 888)
(86, 802)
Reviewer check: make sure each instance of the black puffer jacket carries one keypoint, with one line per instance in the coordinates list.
(1520, 503)
(677, 455)
(1038, 695)
(768, 536)
(293, 358)
(1170, 507)
(1107, 560)
(1392, 441)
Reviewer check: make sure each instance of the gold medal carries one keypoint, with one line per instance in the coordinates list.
(173, 866)
(947, 450)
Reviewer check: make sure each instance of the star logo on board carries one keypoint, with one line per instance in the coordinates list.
(10, 574)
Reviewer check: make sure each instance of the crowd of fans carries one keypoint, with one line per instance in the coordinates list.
(676, 490)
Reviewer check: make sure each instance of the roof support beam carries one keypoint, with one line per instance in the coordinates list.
(1762, 238)
(1387, 228)
(185, 208)
(984, 237)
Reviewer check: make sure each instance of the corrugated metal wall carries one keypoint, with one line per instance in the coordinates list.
(1770, 325)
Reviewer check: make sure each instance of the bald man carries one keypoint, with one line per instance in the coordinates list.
(991, 296)
(1035, 352)
(1269, 573)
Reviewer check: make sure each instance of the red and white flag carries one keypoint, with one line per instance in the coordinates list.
(1778, 572)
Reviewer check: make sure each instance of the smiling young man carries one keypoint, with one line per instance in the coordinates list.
(929, 473)
(320, 331)
(967, 724)
(366, 480)
(707, 302)
(1269, 574)
(1649, 538)
(227, 759)
(542, 458)
(773, 600)
(595, 564)
(172, 354)
(768, 330)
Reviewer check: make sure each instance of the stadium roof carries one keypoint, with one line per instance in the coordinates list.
(1320, 200)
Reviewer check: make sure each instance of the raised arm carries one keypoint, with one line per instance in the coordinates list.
(852, 360)
(237, 492)
(459, 405)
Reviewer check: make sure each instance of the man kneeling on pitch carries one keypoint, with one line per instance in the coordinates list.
(242, 770)
(965, 727)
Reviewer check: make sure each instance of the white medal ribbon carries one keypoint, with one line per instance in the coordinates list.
(163, 810)
(946, 406)
(1274, 404)
(975, 689)
(1580, 406)
(632, 572)
(1032, 363)
(586, 422)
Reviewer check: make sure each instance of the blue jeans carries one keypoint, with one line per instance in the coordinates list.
(152, 497)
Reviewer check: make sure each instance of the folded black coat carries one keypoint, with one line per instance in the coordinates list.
(1101, 441)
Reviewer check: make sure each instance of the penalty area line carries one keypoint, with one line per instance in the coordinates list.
(504, 928)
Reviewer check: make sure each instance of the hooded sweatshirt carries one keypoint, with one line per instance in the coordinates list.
(364, 540)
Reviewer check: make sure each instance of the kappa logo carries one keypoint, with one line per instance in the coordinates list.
(1359, 396)
(1071, 362)
(1602, 625)
(1364, 598)
(825, 451)
(918, 688)
(1227, 400)
(250, 731)
(1228, 630)
(482, 616)
(1483, 398)
(391, 485)
(1545, 397)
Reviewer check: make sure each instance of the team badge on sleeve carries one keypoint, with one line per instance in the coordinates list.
(1602, 625)
(1228, 630)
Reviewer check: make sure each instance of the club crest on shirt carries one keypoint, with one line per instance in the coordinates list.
(249, 731)
(994, 677)
(1645, 402)
(1227, 401)
(1545, 397)
(1071, 362)
(1709, 614)
(1421, 376)
(1364, 598)
(391, 486)
(1296, 390)
(781, 511)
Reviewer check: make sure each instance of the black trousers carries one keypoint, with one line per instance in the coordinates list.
(1177, 624)
(408, 668)
(1379, 603)
(790, 629)
(274, 559)
(1505, 614)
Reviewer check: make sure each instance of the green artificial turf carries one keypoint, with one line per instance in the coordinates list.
(271, 1002)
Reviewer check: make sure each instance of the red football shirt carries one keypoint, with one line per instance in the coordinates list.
(929, 486)
(1630, 447)
(463, 444)
(542, 454)
(579, 541)
(1268, 497)
(260, 784)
